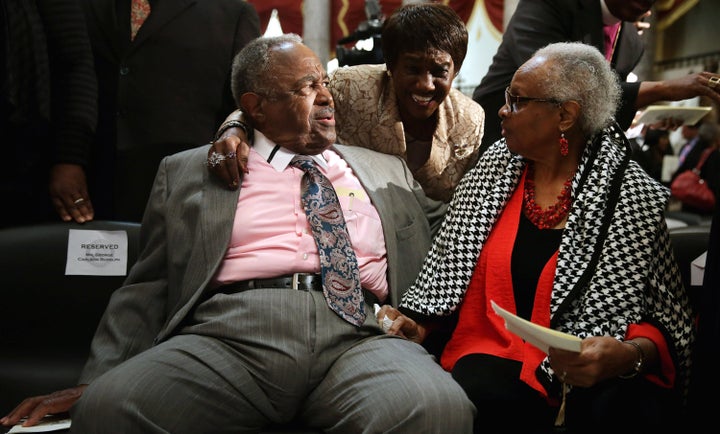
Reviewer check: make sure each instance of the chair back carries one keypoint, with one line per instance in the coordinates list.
(48, 318)
(688, 244)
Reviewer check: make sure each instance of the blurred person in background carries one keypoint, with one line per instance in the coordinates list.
(651, 153)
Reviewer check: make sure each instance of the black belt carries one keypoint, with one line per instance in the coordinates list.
(299, 281)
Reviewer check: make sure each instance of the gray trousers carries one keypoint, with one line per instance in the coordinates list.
(262, 357)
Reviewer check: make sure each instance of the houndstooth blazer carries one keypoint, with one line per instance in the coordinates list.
(615, 265)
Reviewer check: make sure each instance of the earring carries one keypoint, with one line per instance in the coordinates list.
(564, 145)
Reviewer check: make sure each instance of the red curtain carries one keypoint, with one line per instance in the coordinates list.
(289, 12)
(494, 10)
(346, 15)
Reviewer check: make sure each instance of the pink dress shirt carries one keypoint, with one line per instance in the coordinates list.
(271, 236)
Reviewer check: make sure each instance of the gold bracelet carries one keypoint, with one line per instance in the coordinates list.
(637, 369)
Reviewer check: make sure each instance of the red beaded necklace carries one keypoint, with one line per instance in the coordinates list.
(550, 217)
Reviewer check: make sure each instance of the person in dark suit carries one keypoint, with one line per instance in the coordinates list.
(203, 337)
(48, 98)
(537, 23)
(162, 92)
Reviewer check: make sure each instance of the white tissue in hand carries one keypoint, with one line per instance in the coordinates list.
(386, 322)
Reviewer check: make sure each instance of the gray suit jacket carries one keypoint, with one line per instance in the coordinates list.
(186, 230)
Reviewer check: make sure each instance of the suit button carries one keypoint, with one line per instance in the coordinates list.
(124, 70)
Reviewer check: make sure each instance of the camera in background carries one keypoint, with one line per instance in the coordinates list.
(369, 29)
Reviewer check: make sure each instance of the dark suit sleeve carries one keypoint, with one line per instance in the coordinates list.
(626, 110)
(534, 24)
(247, 28)
(73, 82)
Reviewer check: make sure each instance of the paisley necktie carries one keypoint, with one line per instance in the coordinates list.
(139, 11)
(340, 272)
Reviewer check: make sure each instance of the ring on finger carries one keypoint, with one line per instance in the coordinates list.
(713, 82)
(79, 200)
(215, 159)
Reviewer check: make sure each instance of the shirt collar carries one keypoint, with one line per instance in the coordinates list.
(282, 157)
(608, 18)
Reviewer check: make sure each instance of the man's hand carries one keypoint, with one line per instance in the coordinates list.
(69, 193)
(232, 143)
(641, 25)
(670, 124)
(37, 407)
(688, 86)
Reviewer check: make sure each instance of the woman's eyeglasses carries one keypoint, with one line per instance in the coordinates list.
(512, 101)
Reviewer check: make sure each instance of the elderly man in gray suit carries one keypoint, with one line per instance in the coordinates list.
(204, 337)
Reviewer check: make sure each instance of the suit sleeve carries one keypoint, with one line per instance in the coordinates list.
(626, 110)
(248, 26)
(137, 310)
(73, 82)
(535, 24)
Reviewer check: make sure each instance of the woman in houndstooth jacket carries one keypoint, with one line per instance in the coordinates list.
(557, 225)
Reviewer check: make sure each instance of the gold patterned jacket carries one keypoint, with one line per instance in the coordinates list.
(367, 115)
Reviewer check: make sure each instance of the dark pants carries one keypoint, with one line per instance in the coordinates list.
(507, 405)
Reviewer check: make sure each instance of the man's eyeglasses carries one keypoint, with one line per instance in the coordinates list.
(512, 101)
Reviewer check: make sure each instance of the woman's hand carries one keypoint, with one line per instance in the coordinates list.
(600, 358)
(401, 324)
(69, 193)
(37, 407)
(233, 148)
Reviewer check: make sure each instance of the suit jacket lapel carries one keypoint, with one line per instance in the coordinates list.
(366, 174)
(628, 42)
(103, 13)
(590, 24)
(162, 12)
(219, 205)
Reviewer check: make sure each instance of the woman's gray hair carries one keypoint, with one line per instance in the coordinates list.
(251, 66)
(579, 72)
